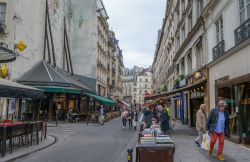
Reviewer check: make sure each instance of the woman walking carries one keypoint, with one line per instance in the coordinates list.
(201, 119)
(130, 118)
(124, 118)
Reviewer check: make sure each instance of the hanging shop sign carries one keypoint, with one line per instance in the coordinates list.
(3, 71)
(198, 75)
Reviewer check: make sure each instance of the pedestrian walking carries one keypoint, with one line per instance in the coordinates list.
(147, 118)
(136, 116)
(201, 119)
(164, 118)
(124, 118)
(102, 115)
(130, 118)
(218, 127)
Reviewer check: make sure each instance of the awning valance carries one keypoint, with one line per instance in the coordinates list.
(57, 89)
(177, 90)
(103, 100)
(15, 90)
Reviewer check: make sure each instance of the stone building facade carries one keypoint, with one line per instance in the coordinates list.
(201, 57)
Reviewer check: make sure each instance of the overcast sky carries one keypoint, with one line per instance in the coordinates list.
(136, 23)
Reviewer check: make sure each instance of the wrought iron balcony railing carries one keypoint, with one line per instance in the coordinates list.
(242, 32)
(219, 50)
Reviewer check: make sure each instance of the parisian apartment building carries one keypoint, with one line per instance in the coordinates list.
(199, 47)
(70, 35)
(137, 83)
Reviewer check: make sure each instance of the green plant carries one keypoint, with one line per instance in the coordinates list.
(176, 81)
(181, 77)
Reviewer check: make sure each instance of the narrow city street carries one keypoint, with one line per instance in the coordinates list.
(81, 143)
(109, 143)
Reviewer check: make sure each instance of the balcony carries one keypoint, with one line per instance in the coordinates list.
(219, 50)
(242, 33)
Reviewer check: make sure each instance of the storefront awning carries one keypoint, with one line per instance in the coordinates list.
(177, 90)
(56, 89)
(15, 90)
(6, 55)
(103, 100)
(53, 79)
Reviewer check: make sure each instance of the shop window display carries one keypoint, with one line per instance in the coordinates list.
(238, 100)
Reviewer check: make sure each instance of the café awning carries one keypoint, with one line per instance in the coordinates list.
(53, 79)
(15, 90)
(58, 89)
(6, 55)
(103, 100)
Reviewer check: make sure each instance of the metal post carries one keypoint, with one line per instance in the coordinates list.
(3, 149)
(56, 117)
(130, 154)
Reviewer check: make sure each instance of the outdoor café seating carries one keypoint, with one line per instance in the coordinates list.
(17, 134)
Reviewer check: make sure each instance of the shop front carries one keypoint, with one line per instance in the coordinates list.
(62, 91)
(236, 92)
(197, 94)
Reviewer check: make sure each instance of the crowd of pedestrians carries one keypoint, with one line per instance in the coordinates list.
(147, 115)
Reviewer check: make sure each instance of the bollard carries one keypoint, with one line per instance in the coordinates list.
(130, 154)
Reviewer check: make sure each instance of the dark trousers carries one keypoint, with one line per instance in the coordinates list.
(130, 122)
(124, 122)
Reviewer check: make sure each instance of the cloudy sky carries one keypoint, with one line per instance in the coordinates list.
(135, 23)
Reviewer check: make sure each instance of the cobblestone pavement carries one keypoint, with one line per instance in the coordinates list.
(187, 151)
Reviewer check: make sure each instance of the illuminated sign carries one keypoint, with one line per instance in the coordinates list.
(198, 75)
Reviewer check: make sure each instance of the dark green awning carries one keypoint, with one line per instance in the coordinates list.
(103, 100)
(58, 89)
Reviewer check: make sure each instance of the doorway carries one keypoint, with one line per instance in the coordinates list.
(194, 107)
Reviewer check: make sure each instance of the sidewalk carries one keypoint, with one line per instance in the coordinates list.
(23, 151)
(187, 151)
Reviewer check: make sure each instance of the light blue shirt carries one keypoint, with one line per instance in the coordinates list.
(102, 111)
(220, 123)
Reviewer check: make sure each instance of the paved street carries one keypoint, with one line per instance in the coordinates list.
(108, 143)
(81, 143)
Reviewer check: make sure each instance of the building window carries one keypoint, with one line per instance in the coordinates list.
(140, 80)
(199, 7)
(177, 41)
(146, 86)
(199, 56)
(146, 91)
(183, 32)
(219, 30)
(146, 80)
(244, 6)
(182, 6)
(190, 21)
(189, 63)
(2, 14)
